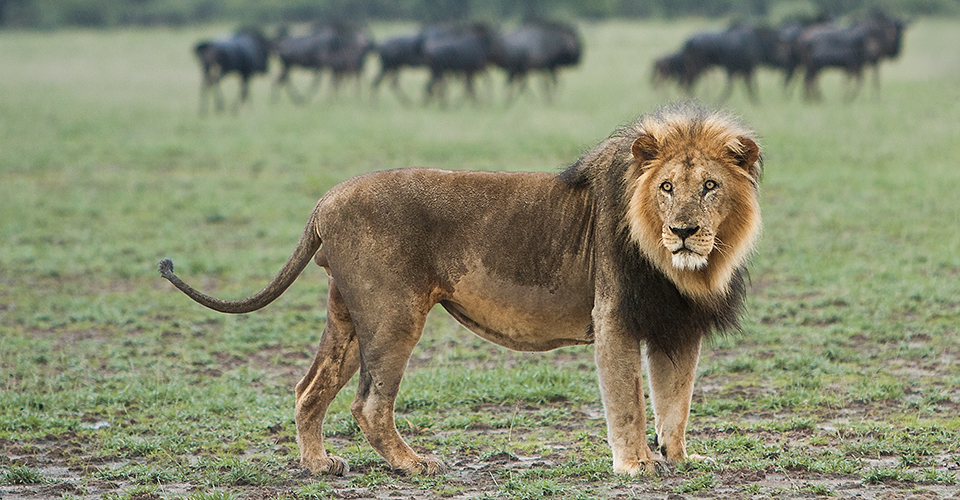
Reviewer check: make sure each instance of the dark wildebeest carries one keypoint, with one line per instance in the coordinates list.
(299, 52)
(736, 50)
(336, 47)
(852, 48)
(246, 52)
(788, 34)
(347, 55)
(672, 67)
(404, 51)
(773, 49)
(539, 46)
(458, 50)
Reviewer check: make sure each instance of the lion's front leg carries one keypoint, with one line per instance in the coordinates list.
(618, 357)
(671, 389)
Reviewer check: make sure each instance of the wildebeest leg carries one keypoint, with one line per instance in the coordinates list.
(487, 84)
(395, 85)
(337, 359)
(387, 336)
(550, 85)
(468, 87)
(357, 85)
(211, 84)
(314, 87)
(244, 91)
(375, 85)
(429, 92)
(728, 88)
(436, 89)
(335, 80)
(876, 80)
(671, 389)
(219, 101)
(520, 84)
(811, 90)
(688, 82)
(788, 81)
(284, 80)
(619, 364)
(749, 81)
(855, 83)
(205, 89)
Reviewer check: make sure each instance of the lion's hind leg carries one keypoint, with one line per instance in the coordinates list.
(337, 359)
(671, 389)
(387, 338)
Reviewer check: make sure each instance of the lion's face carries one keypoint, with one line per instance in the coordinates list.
(691, 200)
(693, 208)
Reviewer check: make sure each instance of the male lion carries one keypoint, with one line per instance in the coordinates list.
(638, 247)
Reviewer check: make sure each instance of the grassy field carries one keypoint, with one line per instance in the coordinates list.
(845, 380)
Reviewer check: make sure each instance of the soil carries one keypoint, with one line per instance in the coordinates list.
(71, 467)
(66, 462)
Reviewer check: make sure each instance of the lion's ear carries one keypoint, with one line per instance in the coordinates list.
(747, 155)
(645, 149)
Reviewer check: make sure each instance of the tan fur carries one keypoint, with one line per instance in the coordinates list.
(530, 261)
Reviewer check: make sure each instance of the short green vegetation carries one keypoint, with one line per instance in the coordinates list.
(114, 385)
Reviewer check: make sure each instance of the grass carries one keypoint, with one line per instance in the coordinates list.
(19, 474)
(113, 382)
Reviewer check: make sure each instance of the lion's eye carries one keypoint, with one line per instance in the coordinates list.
(667, 187)
(709, 186)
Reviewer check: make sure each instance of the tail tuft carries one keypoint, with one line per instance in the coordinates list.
(166, 268)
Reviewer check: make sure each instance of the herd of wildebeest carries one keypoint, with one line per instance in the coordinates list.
(468, 50)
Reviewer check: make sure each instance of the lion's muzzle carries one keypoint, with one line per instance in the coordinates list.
(688, 245)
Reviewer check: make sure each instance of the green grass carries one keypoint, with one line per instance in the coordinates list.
(19, 474)
(845, 367)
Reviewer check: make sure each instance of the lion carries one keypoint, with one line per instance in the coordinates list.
(638, 248)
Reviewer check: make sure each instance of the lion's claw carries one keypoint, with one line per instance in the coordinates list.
(652, 466)
(428, 466)
(331, 464)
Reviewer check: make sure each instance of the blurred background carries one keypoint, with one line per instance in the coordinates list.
(105, 13)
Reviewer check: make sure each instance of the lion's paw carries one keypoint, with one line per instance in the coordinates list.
(652, 466)
(428, 465)
(331, 464)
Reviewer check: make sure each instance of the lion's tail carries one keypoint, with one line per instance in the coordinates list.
(306, 249)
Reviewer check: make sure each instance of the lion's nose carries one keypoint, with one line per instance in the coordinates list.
(684, 232)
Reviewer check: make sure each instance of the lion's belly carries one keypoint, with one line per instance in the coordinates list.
(523, 318)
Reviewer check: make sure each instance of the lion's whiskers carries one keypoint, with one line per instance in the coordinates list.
(720, 247)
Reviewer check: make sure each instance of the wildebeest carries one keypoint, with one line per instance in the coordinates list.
(737, 51)
(542, 47)
(672, 67)
(458, 50)
(404, 51)
(788, 34)
(339, 48)
(852, 48)
(246, 52)
(348, 55)
(298, 52)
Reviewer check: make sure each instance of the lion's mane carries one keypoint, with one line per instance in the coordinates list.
(664, 307)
